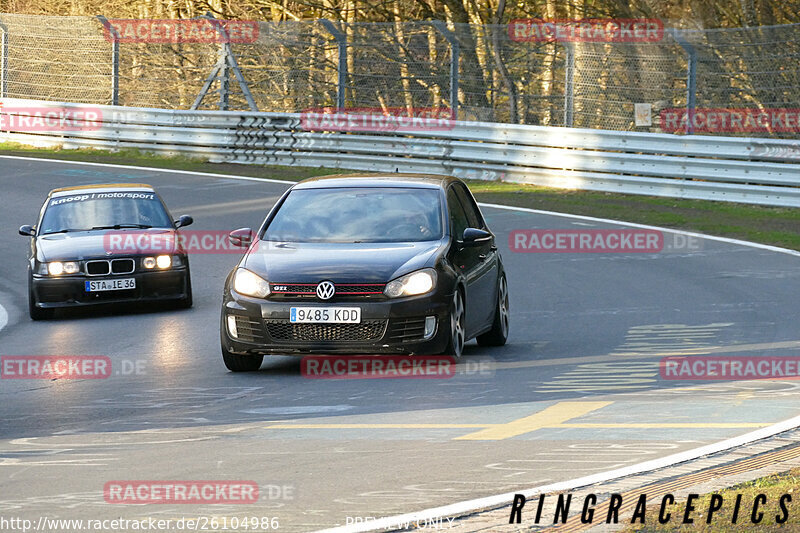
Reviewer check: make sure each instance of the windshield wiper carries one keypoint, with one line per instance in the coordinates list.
(65, 230)
(121, 226)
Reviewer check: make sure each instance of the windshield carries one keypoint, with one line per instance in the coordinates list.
(104, 210)
(358, 215)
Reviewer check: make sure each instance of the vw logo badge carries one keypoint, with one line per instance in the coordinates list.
(325, 290)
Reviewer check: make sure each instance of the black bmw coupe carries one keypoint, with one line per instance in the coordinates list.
(94, 244)
(365, 264)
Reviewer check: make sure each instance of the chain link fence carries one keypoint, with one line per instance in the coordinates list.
(479, 71)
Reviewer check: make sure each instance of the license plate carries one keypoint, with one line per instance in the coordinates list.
(98, 285)
(336, 315)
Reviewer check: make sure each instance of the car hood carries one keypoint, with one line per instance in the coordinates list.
(340, 263)
(92, 244)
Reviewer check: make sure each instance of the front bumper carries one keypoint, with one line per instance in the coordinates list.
(387, 326)
(69, 291)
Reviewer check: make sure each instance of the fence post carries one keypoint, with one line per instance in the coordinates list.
(341, 43)
(691, 79)
(3, 61)
(224, 86)
(455, 54)
(227, 60)
(114, 35)
(569, 85)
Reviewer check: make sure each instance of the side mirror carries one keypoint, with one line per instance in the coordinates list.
(27, 231)
(475, 237)
(184, 220)
(241, 237)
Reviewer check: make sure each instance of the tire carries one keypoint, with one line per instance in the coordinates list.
(241, 363)
(457, 333)
(37, 313)
(498, 335)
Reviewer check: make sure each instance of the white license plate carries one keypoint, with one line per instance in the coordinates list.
(336, 315)
(98, 285)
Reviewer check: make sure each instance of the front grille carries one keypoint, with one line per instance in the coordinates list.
(369, 288)
(407, 329)
(249, 330)
(309, 290)
(102, 267)
(97, 268)
(368, 330)
(122, 266)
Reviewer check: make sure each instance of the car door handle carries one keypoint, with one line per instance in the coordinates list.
(483, 257)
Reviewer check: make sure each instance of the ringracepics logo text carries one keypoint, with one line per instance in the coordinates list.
(377, 119)
(165, 31)
(620, 508)
(586, 30)
(50, 118)
(600, 241)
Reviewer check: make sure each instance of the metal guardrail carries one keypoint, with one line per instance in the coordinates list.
(748, 170)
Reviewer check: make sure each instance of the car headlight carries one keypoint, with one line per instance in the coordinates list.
(162, 262)
(412, 284)
(56, 268)
(245, 282)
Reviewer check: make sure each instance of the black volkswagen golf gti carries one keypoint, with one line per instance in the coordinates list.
(365, 264)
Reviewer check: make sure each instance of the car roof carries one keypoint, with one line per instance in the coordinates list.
(101, 187)
(418, 181)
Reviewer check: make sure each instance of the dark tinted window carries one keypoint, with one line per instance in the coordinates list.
(367, 214)
(473, 213)
(458, 218)
(104, 209)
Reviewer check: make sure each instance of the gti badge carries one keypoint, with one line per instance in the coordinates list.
(325, 290)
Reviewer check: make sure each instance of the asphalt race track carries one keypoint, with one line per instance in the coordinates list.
(576, 391)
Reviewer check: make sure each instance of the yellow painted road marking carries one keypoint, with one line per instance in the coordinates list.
(742, 397)
(555, 414)
(379, 426)
(666, 425)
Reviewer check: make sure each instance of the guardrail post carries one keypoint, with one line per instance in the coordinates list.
(569, 85)
(114, 34)
(455, 54)
(3, 60)
(691, 79)
(341, 43)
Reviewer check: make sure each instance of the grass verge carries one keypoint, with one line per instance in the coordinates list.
(778, 226)
(772, 487)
